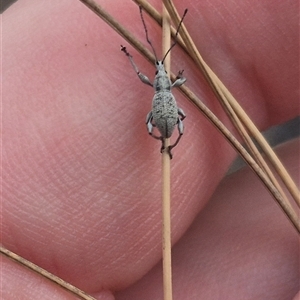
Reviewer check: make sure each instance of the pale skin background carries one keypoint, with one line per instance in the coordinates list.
(81, 177)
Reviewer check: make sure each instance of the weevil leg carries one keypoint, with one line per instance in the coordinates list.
(180, 130)
(163, 147)
(148, 122)
(150, 125)
(144, 78)
(141, 76)
(156, 136)
(181, 113)
(180, 80)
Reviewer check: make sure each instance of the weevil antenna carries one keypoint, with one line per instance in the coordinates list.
(146, 31)
(176, 34)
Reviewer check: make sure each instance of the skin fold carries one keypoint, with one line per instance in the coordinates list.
(81, 177)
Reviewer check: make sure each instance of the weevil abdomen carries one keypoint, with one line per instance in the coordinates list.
(165, 113)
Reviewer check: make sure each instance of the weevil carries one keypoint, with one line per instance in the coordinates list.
(165, 114)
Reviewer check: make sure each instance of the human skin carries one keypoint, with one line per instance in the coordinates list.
(81, 177)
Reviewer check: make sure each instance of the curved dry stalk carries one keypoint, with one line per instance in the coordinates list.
(250, 144)
(286, 206)
(238, 124)
(67, 286)
(219, 89)
(235, 111)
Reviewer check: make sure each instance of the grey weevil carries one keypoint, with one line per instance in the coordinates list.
(165, 114)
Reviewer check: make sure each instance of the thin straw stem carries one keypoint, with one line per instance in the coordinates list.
(69, 287)
(166, 178)
(286, 206)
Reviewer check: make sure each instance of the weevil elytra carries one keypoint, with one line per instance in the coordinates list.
(165, 114)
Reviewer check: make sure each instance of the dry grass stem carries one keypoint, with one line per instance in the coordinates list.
(223, 94)
(74, 290)
(166, 178)
(234, 109)
(286, 206)
(166, 224)
(115, 25)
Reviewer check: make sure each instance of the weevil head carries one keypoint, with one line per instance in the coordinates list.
(160, 68)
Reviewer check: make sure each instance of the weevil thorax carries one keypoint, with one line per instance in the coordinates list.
(161, 81)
